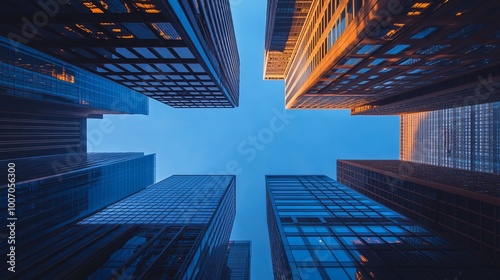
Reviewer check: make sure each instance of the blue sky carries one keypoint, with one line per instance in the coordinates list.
(253, 140)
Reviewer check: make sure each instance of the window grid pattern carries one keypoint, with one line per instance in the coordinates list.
(464, 137)
(28, 73)
(329, 231)
(288, 17)
(182, 53)
(238, 256)
(185, 247)
(27, 134)
(466, 90)
(340, 38)
(472, 220)
(149, 207)
(52, 192)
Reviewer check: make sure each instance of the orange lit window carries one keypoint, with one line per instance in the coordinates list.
(64, 76)
(125, 37)
(92, 7)
(413, 13)
(82, 27)
(420, 5)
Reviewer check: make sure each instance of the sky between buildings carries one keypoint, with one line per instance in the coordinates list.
(256, 139)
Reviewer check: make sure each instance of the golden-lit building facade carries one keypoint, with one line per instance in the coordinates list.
(364, 55)
(284, 23)
(182, 52)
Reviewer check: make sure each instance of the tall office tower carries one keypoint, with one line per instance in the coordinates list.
(44, 103)
(182, 53)
(178, 228)
(320, 229)
(383, 56)
(285, 19)
(464, 137)
(464, 205)
(53, 191)
(238, 259)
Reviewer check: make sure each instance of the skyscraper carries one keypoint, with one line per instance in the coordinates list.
(285, 19)
(44, 103)
(463, 137)
(182, 53)
(238, 259)
(464, 205)
(178, 228)
(320, 229)
(383, 56)
(54, 191)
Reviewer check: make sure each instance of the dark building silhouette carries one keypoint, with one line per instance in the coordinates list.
(178, 228)
(383, 57)
(320, 229)
(238, 260)
(462, 137)
(54, 191)
(182, 53)
(461, 204)
(44, 103)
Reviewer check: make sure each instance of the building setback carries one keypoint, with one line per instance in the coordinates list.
(45, 103)
(464, 205)
(463, 137)
(320, 229)
(238, 260)
(54, 191)
(383, 56)
(178, 228)
(182, 53)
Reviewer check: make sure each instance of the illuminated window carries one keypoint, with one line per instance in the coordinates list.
(397, 49)
(420, 5)
(424, 33)
(368, 49)
(408, 61)
(377, 61)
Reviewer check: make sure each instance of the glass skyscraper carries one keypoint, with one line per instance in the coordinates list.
(238, 260)
(28, 75)
(54, 191)
(383, 56)
(45, 103)
(181, 52)
(178, 228)
(463, 137)
(464, 205)
(320, 229)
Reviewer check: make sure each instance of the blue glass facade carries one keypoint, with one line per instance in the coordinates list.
(44, 102)
(54, 191)
(238, 260)
(320, 229)
(463, 204)
(462, 137)
(27, 134)
(31, 74)
(178, 228)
